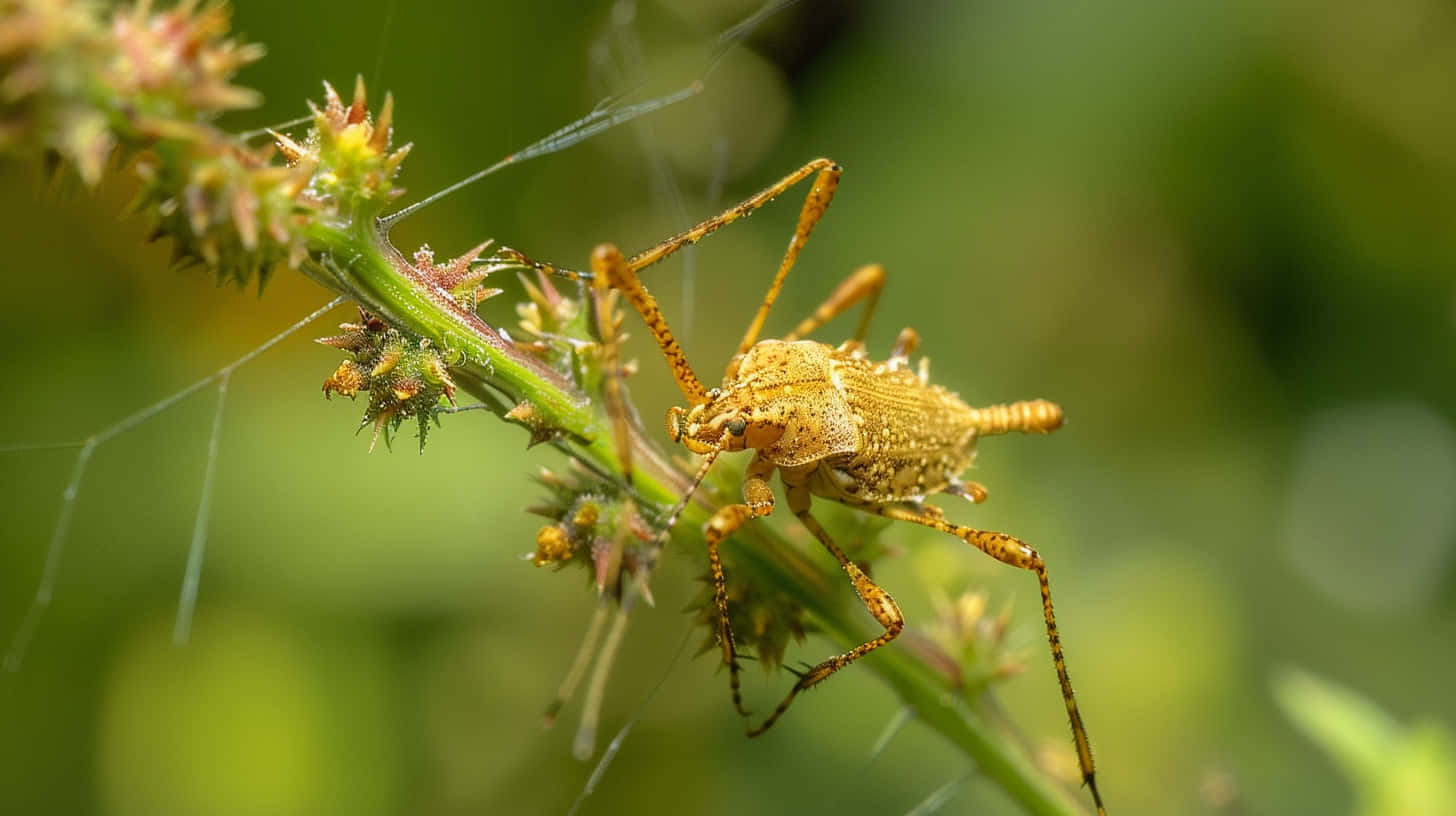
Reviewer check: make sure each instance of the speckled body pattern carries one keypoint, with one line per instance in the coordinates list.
(861, 432)
(914, 437)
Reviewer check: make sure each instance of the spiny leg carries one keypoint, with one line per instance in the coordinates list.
(865, 284)
(1017, 553)
(720, 526)
(609, 259)
(876, 600)
(828, 177)
(758, 501)
(622, 277)
(815, 203)
(905, 343)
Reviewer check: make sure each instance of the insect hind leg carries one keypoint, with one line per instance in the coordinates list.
(815, 203)
(1010, 550)
(876, 600)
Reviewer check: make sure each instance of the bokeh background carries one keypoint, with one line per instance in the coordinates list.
(1218, 233)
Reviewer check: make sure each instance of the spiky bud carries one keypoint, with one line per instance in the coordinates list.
(596, 525)
(461, 277)
(972, 640)
(349, 153)
(81, 85)
(404, 378)
(764, 619)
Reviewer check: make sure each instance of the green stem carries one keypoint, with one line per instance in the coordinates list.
(360, 262)
(923, 690)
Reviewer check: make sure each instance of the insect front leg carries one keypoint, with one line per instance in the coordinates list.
(876, 600)
(609, 266)
(758, 501)
(1010, 550)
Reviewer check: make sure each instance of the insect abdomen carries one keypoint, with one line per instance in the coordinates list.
(913, 437)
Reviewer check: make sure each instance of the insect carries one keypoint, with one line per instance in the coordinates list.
(836, 425)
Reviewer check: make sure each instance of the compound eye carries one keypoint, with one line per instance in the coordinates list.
(736, 427)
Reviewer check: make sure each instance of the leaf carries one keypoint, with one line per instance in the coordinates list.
(1396, 770)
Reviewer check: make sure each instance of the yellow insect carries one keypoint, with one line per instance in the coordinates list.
(835, 424)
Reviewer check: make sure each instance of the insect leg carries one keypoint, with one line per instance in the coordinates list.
(1017, 553)
(828, 178)
(541, 266)
(758, 501)
(607, 263)
(815, 203)
(864, 284)
(876, 600)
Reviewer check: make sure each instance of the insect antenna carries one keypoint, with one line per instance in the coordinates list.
(250, 135)
(687, 496)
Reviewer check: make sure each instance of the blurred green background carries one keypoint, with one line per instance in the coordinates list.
(1218, 233)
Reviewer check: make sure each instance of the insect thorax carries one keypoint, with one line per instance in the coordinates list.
(787, 395)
